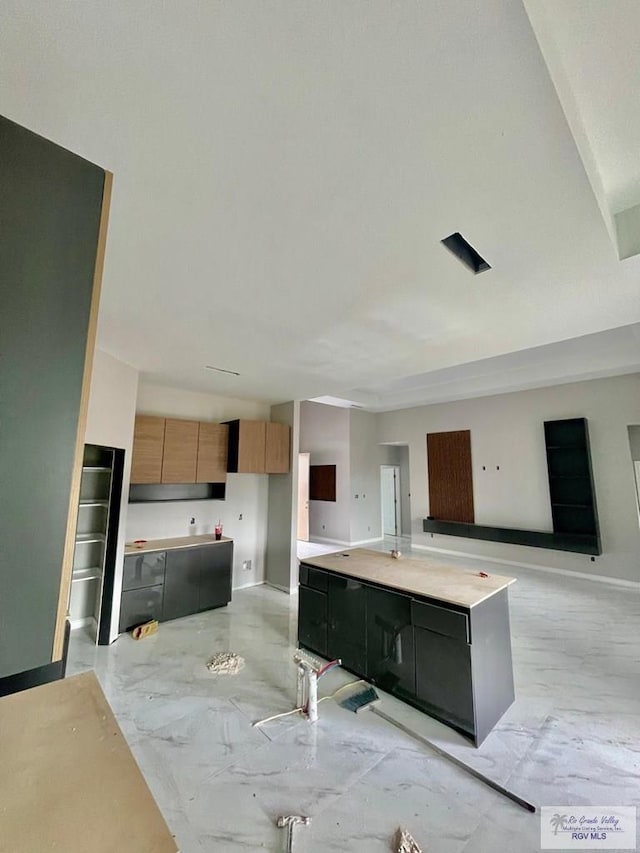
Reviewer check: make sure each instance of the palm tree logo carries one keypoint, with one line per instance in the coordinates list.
(558, 821)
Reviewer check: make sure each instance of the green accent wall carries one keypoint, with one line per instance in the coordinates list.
(50, 207)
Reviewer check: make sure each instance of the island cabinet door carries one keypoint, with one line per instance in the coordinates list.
(347, 631)
(443, 678)
(216, 565)
(181, 583)
(312, 620)
(390, 645)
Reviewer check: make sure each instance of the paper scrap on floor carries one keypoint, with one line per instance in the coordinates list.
(225, 663)
(405, 843)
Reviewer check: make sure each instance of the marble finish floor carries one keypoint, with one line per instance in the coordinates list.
(570, 738)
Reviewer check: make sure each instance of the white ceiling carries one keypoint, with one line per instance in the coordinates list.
(284, 173)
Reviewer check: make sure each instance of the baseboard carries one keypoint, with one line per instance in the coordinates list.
(248, 585)
(83, 623)
(281, 588)
(535, 566)
(328, 541)
(343, 542)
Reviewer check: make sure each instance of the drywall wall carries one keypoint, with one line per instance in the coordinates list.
(244, 511)
(634, 441)
(282, 561)
(507, 431)
(110, 419)
(50, 209)
(365, 458)
(325, 435)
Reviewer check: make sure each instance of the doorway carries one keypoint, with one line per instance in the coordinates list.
(303, 497)
(390, 498)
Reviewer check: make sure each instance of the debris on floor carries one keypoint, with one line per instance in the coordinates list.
(225, 663)
(406, 843)
(142, 631)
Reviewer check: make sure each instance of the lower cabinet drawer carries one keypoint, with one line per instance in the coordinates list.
(451, 623)
(143, 570)
(140, 605)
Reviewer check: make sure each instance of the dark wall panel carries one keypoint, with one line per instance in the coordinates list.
(322, 482)
(450, 476)
(50, 207)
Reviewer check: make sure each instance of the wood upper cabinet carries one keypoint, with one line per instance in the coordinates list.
(148, 446)
(213, 443)
(180, 457)
(277, 448)
(252, 438)
(258, 447)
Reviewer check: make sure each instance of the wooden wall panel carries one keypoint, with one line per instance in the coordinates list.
(322, 482)
(450, 476)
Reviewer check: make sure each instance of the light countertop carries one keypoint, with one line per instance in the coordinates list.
(176, 542)
(427, 577)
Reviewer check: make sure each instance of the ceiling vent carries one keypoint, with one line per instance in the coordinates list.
(466, 253)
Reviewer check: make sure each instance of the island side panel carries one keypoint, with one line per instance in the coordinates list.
(491, 661)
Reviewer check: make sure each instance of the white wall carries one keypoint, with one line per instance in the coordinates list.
(325, 435)
(244, 511)
(282, 560)
(366, 456)
(507, 431)
(112, 406)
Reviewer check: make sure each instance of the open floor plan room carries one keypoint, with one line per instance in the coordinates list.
(570, 737)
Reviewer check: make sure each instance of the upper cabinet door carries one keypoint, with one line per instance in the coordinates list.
(148, 444)
(180, 451)
(277, 448)
(252, 436)
(213, 442)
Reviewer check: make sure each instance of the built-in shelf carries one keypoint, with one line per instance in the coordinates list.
(148, 493)
(565, 446)
(89, 574)
(85, 538)
(94, 503)
(579, 543)
(95, 468)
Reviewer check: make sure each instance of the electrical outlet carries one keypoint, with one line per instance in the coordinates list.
(246, 565)
(240, 517)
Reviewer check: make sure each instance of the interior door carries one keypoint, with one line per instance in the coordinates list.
(303, 497)
(390, 486)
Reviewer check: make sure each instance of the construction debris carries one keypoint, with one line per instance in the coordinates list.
(142, 631)
(225, 663)
(406, 843)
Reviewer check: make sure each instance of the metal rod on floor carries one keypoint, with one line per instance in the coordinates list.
(458, 762)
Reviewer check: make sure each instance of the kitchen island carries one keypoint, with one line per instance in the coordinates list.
(435, 636)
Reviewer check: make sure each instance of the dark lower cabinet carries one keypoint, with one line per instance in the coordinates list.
(215, 576)
(140, 605)
(312, 620)
(443, 678)
(347, 623)
(390, 645)
(178, 582)
(182, 583)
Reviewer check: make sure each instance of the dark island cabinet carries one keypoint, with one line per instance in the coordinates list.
(390, 643)
(347, 623)
(166, 585)
(449, 661)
